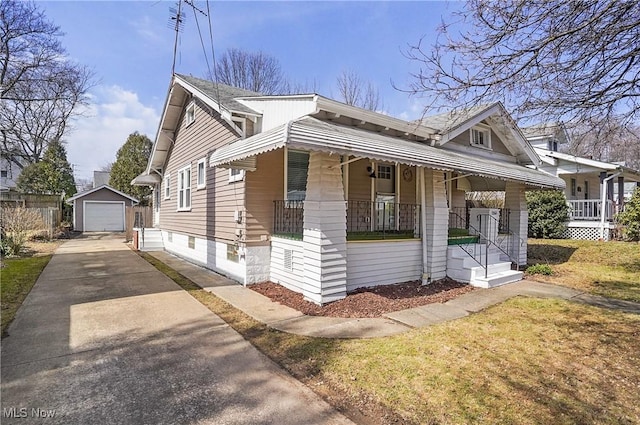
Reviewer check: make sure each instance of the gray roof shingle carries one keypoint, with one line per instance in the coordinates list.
(228, 94)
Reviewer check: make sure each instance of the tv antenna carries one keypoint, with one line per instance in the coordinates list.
(176, 23)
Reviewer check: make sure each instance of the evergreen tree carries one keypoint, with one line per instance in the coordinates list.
(630, 217)
(548, 214)
(52, 175)
(131, 161)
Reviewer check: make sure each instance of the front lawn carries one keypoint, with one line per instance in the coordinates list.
(525, 361)
(610, 269)
(17, 277)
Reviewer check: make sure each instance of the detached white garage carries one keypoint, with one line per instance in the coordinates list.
(101, 209)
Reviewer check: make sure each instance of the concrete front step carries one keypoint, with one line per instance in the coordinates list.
(152, 240)
(497, 279)
(468, 262)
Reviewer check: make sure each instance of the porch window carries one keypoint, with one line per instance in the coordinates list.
(184, 189)
(481, 137)
(384, 172)
(573, 187)
(297, 172)
(201, 173)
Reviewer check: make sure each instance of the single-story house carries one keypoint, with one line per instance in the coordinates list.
(101, 209)
(322, 197)
(590, 183)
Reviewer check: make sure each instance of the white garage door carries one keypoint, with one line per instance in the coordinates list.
(103, 216)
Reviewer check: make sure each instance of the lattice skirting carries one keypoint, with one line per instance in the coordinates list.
(586, 233)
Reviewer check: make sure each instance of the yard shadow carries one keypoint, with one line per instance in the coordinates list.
(549, 254)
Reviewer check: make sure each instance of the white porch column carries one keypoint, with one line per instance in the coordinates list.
(437, 225)
(325, 231)
(515, 202)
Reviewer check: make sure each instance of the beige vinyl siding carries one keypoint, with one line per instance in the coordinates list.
(224, 199)
(263, 186)
(359, 181)
(193, 143)
(407, 188)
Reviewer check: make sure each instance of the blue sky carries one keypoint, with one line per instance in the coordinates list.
(130, 47)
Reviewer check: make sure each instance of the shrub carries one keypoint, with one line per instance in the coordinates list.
(630, 218)
(16, 226)
(544, 269)
(548, 214)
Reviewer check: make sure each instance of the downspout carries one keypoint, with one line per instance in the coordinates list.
(426, 278)
(604, 200)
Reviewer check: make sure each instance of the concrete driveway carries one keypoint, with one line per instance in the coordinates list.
(104, 338)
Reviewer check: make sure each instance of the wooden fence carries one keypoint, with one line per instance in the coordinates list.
(28, 200)
(51, 218)
(137, 217)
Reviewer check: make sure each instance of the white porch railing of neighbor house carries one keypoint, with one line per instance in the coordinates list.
(589, 209)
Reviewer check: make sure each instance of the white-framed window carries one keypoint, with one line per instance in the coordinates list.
(480, 136)
(184, 189)
(385, 172)
(167, 186)
(190, 114)
(235, 175)
(202, 173)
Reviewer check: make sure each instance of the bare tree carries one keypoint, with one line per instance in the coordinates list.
(610, 141)
(551, 59)
(40, 87)
(354, 91)
(255, 71)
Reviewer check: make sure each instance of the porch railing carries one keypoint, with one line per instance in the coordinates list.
(376, 219)
(589, 209)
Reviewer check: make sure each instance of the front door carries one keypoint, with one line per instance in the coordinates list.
(385, 201)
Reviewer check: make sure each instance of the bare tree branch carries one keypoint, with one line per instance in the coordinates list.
(354, 91)
(575, 61)
(40, 87)
(257, 72)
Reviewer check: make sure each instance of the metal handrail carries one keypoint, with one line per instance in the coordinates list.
(510, 238)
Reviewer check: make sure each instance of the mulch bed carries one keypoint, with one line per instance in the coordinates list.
(369, 302)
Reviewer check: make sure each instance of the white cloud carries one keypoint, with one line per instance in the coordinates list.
(113, 114)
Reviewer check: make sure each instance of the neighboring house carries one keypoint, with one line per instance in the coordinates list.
(101, 178)
(589, 184)
(324, 198)
(101, 209)
(9, 173)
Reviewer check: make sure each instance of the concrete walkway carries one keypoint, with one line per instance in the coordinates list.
(105, 338)
(289, 320)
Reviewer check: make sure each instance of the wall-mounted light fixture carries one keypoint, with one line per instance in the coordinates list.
(372, 173)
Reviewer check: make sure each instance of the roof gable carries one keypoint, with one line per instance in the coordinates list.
(105, 187)
(453, 123)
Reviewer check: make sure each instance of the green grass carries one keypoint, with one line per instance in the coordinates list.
(525, 361)
(16, 280)
(610, 269)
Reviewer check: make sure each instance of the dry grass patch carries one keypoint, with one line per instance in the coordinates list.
(610, 269)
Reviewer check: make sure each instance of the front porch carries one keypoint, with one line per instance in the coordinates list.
(588, 220)
(366, 220)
